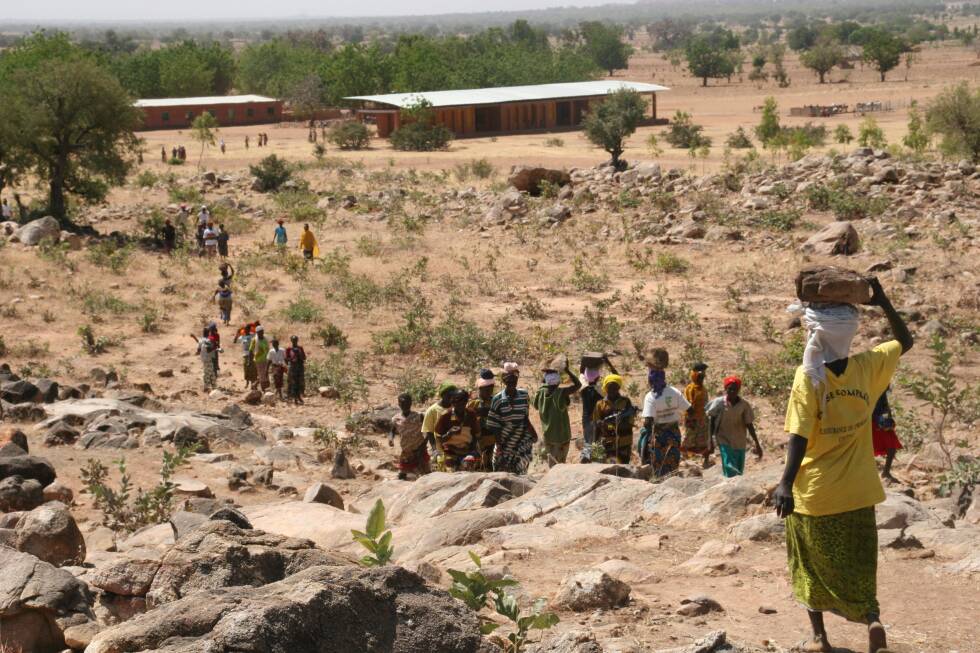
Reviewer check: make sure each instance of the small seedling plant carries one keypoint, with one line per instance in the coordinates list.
(375, 538)
(477, 592)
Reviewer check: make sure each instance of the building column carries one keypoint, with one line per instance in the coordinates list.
(653, 105)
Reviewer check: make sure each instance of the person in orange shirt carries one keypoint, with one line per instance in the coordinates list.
(830, 484)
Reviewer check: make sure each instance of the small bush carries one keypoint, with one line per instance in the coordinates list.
(186, 195)
(843, 135)
(419, 137)
(350, 135)
(772, 375)
(854, 206)
(302, 310)
(107, 254)
(272, 172)
(91, 343)
(146, 179)
(585, 280)
(149, 320)
(870, 134)
(670, 263)
(56, 253)
(683, 133)
(554, 142)
(778, 219)
(739, 139)
(481, 168)
(341, 372)
(98, 302)
(417, 382)
(331, 336)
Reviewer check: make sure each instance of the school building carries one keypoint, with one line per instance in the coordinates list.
(502, 110)
(228, 110)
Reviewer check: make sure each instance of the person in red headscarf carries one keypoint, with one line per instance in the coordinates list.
(731, 420)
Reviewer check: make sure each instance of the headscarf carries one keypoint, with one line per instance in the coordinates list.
(830, 330)
(552, 378)
(486, 379)
(729, 380)
(444, 387)
(610, 379)
(658, 381)
(512, 368)
(592, 374)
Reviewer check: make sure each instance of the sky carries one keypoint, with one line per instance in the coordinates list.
(175, 10)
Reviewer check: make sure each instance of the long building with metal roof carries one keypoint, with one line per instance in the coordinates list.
(507, 109)
(228, 110)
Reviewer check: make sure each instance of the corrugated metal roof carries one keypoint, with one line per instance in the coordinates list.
(509, 93)
(188, 101)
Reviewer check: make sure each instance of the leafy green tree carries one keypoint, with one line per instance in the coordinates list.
(271, 172)
(203, 130)
(823, 57)
(870, 134)
(275, 67)
(605, 45)
(955, 115)
(74, 127)
(802, 37)
(768, 127)
(349, 135)
(708, 59)
(843, 135)
(614, 120)
(684, 133)
(184, 74)
(419, 131)
(917, 136)
(883, 51)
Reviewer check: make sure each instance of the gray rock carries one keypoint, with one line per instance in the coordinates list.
(837, 238)
(37, 602)
(714, 642)
(231, 515)
(698, 605)
(573, 641)
(20, 392)
(322, 493)
(28, 467)
(380, 610)
(341, 467)
(126, 577)
(18, 493)
(9, 434)
(588, 590)
(50, 533)
(35, 231)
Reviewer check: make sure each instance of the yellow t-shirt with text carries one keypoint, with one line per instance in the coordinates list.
(838, 473)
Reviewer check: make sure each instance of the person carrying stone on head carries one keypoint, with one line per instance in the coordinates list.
(480, 405)
(509, 422)
(552, 401)
(830, 484)
(731, 417)
(277, 366)
(223, 297)
(445, 393)
(407, 426)
(227, 272)
(208, 353)
(458, 433)
(664, 407)
(296, 374)
(246, 333)
(308, 244)
(279, 237)
(613, 417)
(697, 439)
(259, 349)
(591, 375)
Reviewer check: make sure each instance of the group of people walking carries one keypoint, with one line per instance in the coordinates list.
(492, 431)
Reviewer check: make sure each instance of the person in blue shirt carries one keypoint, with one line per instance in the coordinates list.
(279, 237)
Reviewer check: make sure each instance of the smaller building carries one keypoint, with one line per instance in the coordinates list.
(228, 110)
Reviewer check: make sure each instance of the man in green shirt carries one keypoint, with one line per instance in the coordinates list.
(259, 349)
(551, 402)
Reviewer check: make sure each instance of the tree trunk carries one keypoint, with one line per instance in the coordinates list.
(821, 76)
(704, 81)
(56, 199)
(882, 75)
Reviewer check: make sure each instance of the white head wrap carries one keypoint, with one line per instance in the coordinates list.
(830, 330)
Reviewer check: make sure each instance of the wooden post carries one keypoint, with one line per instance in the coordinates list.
(653, 105)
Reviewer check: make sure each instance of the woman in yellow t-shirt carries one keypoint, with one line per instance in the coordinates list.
(830, 485)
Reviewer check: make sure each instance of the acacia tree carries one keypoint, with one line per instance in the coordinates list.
(203, 130)
(605, 45)
(955, 115)
(707, 58)
(883, 51)
(823, 57)
(74, 125)
(615, 120)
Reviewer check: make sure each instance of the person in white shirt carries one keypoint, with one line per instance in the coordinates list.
(210, 237)
(664, 408)
(277, 366)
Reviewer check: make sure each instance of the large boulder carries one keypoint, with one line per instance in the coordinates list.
(27, 467)
(37, 603)
(528, 178)
(35, 231)
(591, 589)
(20, 392)
(128, 577)
(11, 435)
(18, 493)
(319, 610)
(219, 554)
(837, 238)
(50, 533)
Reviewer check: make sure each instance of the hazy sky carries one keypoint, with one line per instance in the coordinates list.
(101, 10)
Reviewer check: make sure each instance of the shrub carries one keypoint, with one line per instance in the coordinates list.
(843, 135)
(481, 168)
(271, 173)
(554, 142)
(57, 253)
(955, 115)
(121, 511)
(149, 320)
(739, 139)
(146, 179)
(350, 135)
(778, 219)
(302, 310)
(853, 206)
(188, 195)
(331, 336)
(870, 134)
(683, 133)
(108, 254)
(421, 137)
(343, 374)
(772, 375)
(91, 343)
(598, 329)
(417, 382)
(584, 280)
(97, 302)
(670, 263)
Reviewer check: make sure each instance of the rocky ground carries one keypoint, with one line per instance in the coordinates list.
(258, 554)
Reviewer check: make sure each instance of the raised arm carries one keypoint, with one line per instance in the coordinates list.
(899, 329)
(576, 383)
(612, 368)
(783, 496)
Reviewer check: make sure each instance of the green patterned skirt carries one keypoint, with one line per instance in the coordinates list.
(833, 561)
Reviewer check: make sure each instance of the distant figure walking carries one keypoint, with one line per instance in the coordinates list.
(163, 153)
(279, 237)
(246, 141)
(207, 352)
(222, 241)
(221, 144)
(296, 376)
(224, 296)
(169, 236)
(308, 244)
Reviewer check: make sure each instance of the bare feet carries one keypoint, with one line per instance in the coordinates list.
(818, 644)
(877, 640)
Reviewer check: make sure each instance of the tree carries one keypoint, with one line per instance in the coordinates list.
(870, 134)
(843, 135)
(955, 115)
(349, 135)
(684, 133)
(614, 120)
(802, 37)
(202, 130)
(768, 127)
(185, 74)
(823, 57)
(306, 95)
(883, 51)
(419, 131)
(917, 138)
(605, 45)
(708, 59)
(75, 128)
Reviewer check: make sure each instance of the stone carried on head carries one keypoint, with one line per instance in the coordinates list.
(832, 285)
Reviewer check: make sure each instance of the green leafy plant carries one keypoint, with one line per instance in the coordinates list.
(108, 254)
(418, 383)
(684, 133)
(331, 335)
(870, 134)
(584, 280)
(147, 179)
(92, 343)
(478, 592)
(149, 320)
(343, 374)
(375, 538)
(739, 139)
(964, 473)
(302, 310)
(126, 509)
(843, 135)
(554, 142)
(272, 172)
(670, 263)
(419, 131)
(350, 135)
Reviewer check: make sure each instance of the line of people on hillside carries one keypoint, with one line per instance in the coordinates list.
(492, 431)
